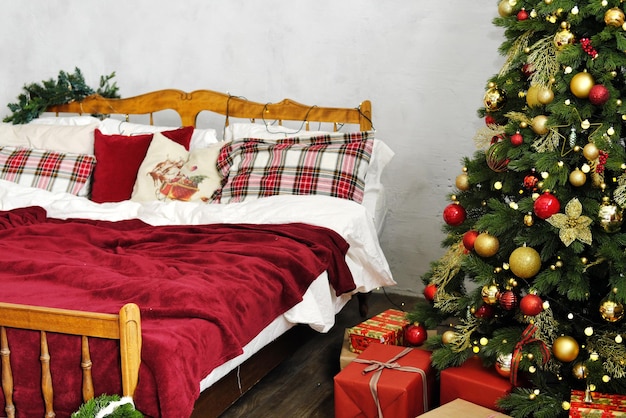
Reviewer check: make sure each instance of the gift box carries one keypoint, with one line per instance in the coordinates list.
(602, 405)
(348, 355)
(474, 383)
(395, 380)
(385, 328)
(463, 408)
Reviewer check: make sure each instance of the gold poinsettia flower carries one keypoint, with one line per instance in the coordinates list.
(572, 224)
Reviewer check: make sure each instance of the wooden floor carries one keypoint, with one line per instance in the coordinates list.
(302, 386)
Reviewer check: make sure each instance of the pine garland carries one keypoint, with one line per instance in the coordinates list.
(68, 87)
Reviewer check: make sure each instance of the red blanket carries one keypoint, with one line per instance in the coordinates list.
(204, 292)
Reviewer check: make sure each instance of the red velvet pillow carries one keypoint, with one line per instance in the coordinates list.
(118, 158)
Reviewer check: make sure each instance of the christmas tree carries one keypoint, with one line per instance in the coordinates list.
(533, 280)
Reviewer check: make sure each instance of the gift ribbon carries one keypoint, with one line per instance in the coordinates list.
(527, 338)
(378, 366)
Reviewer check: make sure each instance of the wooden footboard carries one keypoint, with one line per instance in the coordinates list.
(125, 327)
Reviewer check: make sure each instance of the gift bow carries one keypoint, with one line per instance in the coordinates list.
(527, 338)
(378, 366)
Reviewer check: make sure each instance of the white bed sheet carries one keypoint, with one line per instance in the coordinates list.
(319, 305)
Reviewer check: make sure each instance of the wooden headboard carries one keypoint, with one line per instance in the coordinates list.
(189, 106)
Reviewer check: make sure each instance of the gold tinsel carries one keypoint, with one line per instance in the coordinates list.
(464, 331)
(544, 61)
(611, 353)
(447, 267)
(548, 142)
(484, 136)
(518, 48)
(619, 195)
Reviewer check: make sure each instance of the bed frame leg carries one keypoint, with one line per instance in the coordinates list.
(7, 374)
(363, 299)
(130, 347)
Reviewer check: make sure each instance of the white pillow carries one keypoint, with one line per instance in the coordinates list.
(201, 138)
(62, 138)
(169, 172)
(65, 120)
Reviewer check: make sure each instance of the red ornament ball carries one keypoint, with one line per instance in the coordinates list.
(528, 70)
(490, 120)
(599, 95)
(546, 205)
(484, 311)
(468, 239)
(415, 334)
(508, 300)
(522, 15)
(531, 305)
(517, 139)
(429, 292)
(530, 182)
(454, 214)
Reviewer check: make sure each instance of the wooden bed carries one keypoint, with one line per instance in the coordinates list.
(126, 326)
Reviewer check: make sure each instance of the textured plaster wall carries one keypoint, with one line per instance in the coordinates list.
(424, 65)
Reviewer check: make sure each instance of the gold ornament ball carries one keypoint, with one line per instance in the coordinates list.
(486, 245)
(505, 8)
(614, 17)
(494, 99)
(611, 311)
(577, 178)
(580, 370)
(564, 37)
(529, 220)
(539, 124)
(591, 152)
(462, 182)
(610, 217)
(545, 96)
(581, 84)
(565, 348)
(532, 96)
(503, 364)
(525, 262)
(490, 294)
(448, 336)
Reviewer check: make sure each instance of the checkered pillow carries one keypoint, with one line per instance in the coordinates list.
(49, 170)
(328, 165)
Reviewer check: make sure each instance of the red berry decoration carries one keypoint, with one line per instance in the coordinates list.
(429, 292)
(468, 239)
(522, 15)
(517, 139)
(484, 311)
(454, 214)
(415, 334)
(546, 205)
(508, 300)
(599, 95)
(531, 305)
(585, 43)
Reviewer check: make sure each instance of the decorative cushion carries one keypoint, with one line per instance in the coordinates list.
(49, 170)
(119, 158)
(169, 172)
(325, 165)
(61, 138)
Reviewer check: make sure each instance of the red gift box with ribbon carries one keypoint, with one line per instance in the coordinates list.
(386, 328)
(385, 381)
(474, 383)
(600, 405)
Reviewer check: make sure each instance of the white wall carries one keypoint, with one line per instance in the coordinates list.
(423, 64)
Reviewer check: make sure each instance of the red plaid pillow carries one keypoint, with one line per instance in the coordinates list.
(324, 165)
(49, 170)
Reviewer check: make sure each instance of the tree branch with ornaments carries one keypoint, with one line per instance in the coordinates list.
(532, 281)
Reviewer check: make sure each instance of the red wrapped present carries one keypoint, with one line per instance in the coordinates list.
(384, 328)
(602, 405)
(474, 383)
(385, 380)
